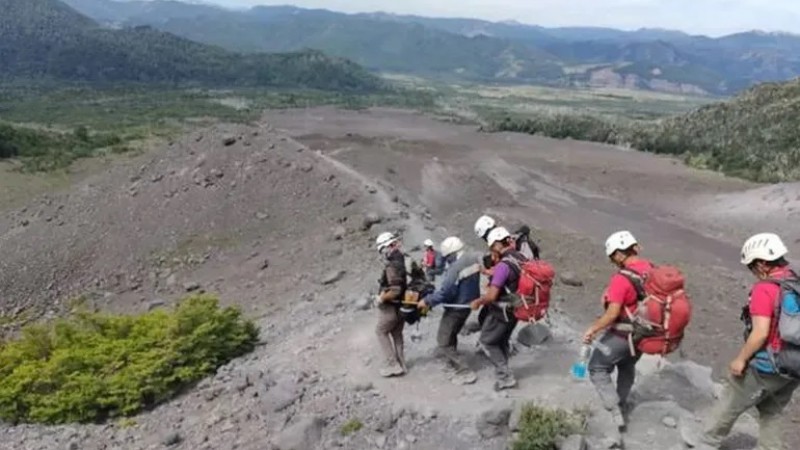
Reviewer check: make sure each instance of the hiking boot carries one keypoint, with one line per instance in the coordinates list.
(464, 377)
(512, 350)
(505, 383)
(619, 420)
(626, 409)
(392, 370)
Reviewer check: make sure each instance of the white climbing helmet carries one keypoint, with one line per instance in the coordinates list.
(384, 240)
(428, 243)
(483, 225)
(451, 245)
(496, 235)
(621, 240)
(764, 246)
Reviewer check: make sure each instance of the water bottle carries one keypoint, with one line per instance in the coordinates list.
(580, 366)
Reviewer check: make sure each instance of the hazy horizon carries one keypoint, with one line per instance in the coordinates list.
(709, 17)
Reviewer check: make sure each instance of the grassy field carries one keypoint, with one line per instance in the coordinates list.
(490, 101)
(148, 110)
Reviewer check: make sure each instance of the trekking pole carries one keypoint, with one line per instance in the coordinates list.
(450, 305)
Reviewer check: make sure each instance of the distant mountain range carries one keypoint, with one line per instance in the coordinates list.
(46, 39)
(471, 49)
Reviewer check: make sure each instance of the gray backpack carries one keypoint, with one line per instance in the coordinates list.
(787, 312)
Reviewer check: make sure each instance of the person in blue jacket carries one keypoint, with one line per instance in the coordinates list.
(460, 286)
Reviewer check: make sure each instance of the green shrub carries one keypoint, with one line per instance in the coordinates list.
(350, 427)
(42, 150)
(753, 136)
(540, 428)
(92, 367)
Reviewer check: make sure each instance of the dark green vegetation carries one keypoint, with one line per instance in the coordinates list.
(350, 427)
(93, 367)
(75, 123)
(755, 136)
(542, 428)
(47, 40)
(479, 50)
(40, 150)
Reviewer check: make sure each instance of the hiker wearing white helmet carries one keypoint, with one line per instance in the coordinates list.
(483, 226)
(620, 301)
(432, 261)
(521, 239)
(499, 321)
(393, 284)
(766, 372)
(460, 286)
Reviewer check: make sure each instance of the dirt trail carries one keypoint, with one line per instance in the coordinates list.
(264, 218)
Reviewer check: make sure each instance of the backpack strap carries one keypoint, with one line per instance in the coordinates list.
(513, 264)
(637, 281)
(791, 283)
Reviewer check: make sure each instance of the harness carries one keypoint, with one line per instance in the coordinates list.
(398, 264)
(514, 260)
(625, 326)
(746, 317)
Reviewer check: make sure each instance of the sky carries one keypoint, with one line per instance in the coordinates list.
(710, 17)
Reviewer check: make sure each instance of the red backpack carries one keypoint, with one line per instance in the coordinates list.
(533, 289)
(664, 310)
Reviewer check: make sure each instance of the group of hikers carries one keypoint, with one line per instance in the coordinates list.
(645, 311)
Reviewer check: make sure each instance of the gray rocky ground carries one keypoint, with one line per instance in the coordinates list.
(280, 218)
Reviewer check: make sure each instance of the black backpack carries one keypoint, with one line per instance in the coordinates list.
(524, 238)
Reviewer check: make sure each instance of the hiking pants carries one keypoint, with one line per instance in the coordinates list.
(452, 322)
(430, 274)
(495, 339)
(601, 366)
(390, 333)
(769, 394)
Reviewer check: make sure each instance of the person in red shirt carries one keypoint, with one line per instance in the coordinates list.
(754, 379)
(620, 301)
(432, 261)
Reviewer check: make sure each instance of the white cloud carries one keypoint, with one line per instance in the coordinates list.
(713, 17)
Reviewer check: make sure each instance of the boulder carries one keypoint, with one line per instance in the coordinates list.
(534, 334)
(339, 233)
(687, 383)
(191, 286)
(155, 304)
(332, 277)
(570, 279)
(171, 439)
(304, 434)
(370, 220)
(282, 395)
(493, 422)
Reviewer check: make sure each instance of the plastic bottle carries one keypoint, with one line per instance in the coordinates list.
(580, 366)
